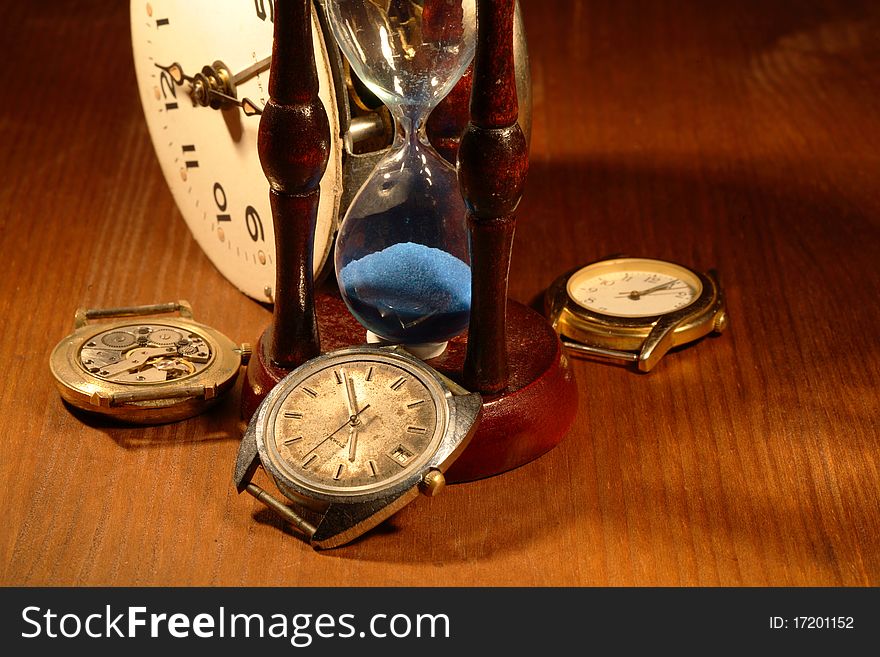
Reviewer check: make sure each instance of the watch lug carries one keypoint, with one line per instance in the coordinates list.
(468, 408)
(247, 461)
(344, 522)
(80, 318)
(100, 399)
(184, 309)
(658, 342)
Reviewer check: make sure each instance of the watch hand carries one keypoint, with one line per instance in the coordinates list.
(350, 398)
(352, 442)
(351, 421)
(635, 294)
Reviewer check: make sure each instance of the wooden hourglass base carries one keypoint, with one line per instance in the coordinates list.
(518, 425)
(536, 410)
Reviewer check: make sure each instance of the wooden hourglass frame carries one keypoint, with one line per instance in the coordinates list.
(510, 353)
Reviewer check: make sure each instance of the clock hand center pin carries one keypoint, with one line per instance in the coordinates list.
(351, 421)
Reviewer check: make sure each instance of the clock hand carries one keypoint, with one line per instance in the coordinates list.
(248, 106)
(175, 70)
(176, 73)
(252, 70)
(214, 86)
(361, 127)
(635, 294)
(351, 421)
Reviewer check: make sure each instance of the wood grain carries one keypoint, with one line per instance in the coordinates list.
(742, 136)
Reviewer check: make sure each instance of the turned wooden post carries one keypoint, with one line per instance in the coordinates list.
(492, 165)
(294, 147)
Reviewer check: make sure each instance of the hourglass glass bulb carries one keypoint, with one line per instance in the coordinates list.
(402, 260)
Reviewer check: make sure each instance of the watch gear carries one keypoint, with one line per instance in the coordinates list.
(194, 349)
(118, 339)
(188, 349)
(145, 353)
(164, 336)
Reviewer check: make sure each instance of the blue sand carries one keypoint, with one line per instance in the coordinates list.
(409, 293)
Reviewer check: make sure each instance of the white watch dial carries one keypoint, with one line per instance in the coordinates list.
(209, 156)
(633, 287)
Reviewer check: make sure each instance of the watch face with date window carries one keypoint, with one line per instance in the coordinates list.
(355, 425)
(354, 435)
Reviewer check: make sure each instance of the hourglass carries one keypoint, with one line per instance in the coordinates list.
(401, 255)
(409, 50)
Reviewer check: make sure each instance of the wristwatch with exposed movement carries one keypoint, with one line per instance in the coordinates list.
(145, 369)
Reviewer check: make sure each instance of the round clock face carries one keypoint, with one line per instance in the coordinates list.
(206, 141)
(633, 287)
(355, 425)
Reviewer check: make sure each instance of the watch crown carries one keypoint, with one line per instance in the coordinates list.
(245, 350)
(432, 483)
(721, 322)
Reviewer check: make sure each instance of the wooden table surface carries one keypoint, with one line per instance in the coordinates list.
(744, 137)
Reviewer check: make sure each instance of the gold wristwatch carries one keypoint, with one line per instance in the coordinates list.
(144, 369)
(634, 309)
